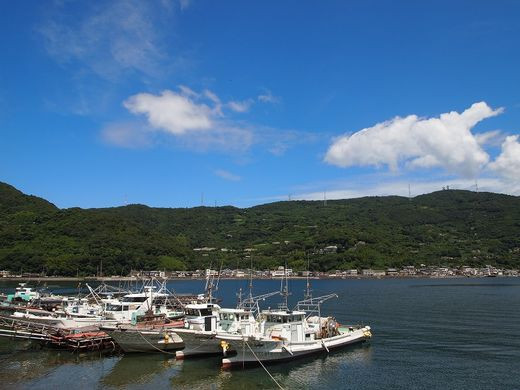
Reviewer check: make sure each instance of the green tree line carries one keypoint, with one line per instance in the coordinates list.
(442, 228)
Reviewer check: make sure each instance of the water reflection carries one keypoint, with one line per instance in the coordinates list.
(134, 369)
(23, 361)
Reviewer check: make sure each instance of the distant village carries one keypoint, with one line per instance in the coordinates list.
(422, 271)
(280, 272)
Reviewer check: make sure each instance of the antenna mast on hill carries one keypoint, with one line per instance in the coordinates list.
(409, 192)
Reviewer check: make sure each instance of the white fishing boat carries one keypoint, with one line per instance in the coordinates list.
(23, 293)
(157, 299)
(134, 339)
(206, 322)
(203, 322)
(61, 320)
(285, 335)
(197, 335)
(198, 329)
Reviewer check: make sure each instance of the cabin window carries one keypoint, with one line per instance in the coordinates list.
(205, 312)
(192, 312)
(134, 299)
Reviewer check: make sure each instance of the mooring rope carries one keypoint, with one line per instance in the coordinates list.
(259, 361)
(153, 346)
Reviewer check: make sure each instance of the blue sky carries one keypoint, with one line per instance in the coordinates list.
(175, 103)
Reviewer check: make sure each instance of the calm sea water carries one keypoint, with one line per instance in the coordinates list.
(428, 334)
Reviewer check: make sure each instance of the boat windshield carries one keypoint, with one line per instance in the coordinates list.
(284, 319)
(198, 312)
(111, 307)
(133, 299)
(229, 316)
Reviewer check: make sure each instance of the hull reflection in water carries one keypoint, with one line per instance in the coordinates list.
(138, 369)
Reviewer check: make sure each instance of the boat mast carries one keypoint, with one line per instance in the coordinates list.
(308, 291)
(251, 278)
(285, 290)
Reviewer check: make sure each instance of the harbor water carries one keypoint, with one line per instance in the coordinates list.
(427, 334)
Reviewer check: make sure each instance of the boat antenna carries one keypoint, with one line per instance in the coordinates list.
(308, 291)
(251, 277)
(285, 289)
(239, 296)
(219, 273)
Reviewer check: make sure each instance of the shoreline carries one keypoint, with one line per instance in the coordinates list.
(134, 279)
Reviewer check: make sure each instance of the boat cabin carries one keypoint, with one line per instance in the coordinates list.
(23, 293)
(283, 325)
(236, 321)
(201, 316)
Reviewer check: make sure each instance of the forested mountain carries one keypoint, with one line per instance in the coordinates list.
(447, 227)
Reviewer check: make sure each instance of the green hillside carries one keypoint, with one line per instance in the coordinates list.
(446, 227)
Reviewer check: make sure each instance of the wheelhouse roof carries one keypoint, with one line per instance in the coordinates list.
(285, 313)
(202, 306)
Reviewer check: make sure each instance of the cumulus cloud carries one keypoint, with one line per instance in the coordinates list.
(171, 112)
(197, 121)
(493, 137)
(194, 119)
(227, 175)
(415, 142)
(507, 164)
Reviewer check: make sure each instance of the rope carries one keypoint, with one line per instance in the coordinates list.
(259, 361)
(153, 346)
(210, 338)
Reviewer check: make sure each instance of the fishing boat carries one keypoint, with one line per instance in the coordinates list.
(60, 320)
(206, 322)
(23, 294)
(289, 334)
(202, 323)
(283, 334)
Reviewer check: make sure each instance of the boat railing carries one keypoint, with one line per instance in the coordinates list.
(251, 304)
(312, 305)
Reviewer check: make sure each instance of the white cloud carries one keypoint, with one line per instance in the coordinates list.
(268, 97)
(507, 164)
(414, 142)
(493, 137)
(197, 122)
(171, 112)
(400, 188)
(227, 175)
(242, 106)
(195, 119)
(109, 38)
